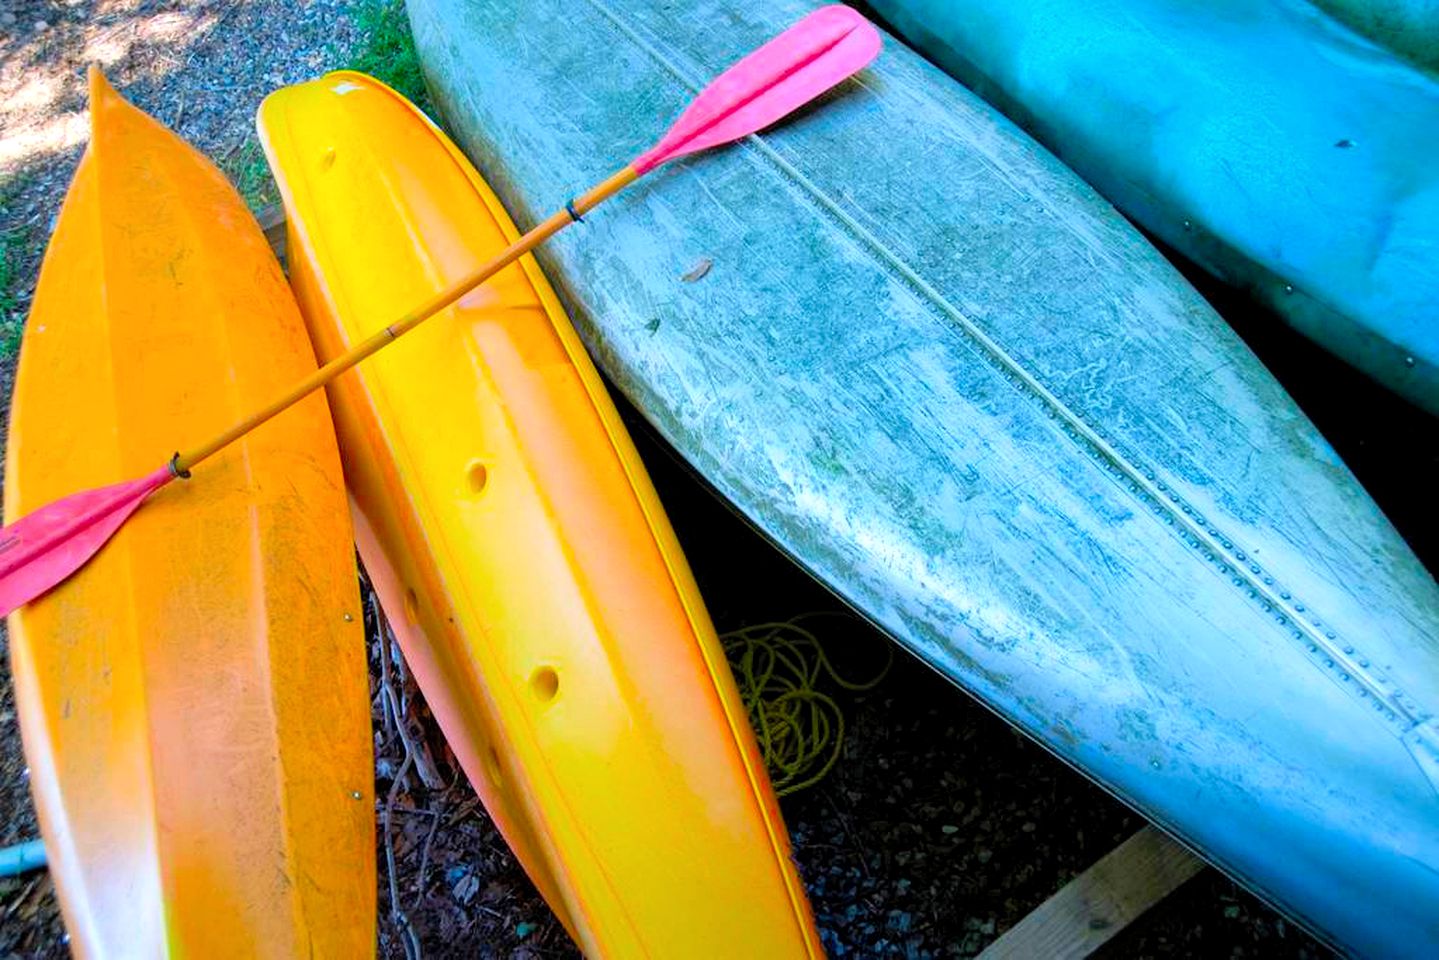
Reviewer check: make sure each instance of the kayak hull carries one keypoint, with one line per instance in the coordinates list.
(1408, 27)
(1201, 123)
(932, 366)
(192, 702)
(534, 582)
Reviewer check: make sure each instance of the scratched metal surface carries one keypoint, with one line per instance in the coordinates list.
(955, 385)
(1261, 138)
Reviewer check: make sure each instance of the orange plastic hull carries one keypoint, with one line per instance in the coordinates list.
(193, 703)
(523, 556)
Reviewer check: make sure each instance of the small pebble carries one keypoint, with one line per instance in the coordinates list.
(466, 889)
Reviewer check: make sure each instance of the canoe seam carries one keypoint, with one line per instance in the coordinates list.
(1336, 658)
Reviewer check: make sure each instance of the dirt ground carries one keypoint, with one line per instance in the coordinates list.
(940, 826)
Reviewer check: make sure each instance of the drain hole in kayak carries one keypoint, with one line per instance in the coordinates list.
(477, 475)
(545, 683)
(412, 607)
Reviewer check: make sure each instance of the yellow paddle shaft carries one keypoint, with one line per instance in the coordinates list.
(578, 207)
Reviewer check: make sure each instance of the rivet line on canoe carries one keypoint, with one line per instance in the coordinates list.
(1143, 482)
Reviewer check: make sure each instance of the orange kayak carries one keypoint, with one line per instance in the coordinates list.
(193, 703)
(529, 570)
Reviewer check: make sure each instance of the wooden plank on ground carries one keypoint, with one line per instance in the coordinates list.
(272, 222)
(1101, 901)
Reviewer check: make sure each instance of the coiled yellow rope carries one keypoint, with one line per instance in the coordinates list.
(800, 728)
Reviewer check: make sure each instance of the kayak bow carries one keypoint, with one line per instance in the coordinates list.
(522, 555)
(192, 704)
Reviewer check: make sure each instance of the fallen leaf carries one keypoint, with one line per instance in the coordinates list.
(466, 889)
(701, 268)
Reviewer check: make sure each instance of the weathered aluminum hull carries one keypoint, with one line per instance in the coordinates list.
(1262, 139)
(935, 368)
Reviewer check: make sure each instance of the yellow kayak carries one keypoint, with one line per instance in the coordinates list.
(193, 703)
(529, 570)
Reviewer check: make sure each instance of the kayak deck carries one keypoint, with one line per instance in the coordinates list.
(193, 702)
(523, 557)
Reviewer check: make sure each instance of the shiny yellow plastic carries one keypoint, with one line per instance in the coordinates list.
(194, 702)
(526, 563)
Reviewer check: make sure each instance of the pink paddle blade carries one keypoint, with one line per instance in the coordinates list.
(41, 549)
(812, 56)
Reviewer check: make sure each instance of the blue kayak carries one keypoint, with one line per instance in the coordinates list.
(935, 368)
(1408, 27)
(1261, 138)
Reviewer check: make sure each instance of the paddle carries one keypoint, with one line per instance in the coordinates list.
(41, 549)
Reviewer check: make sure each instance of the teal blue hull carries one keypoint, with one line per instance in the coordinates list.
(935, 368)
(1410, 28)
(1260, 138)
